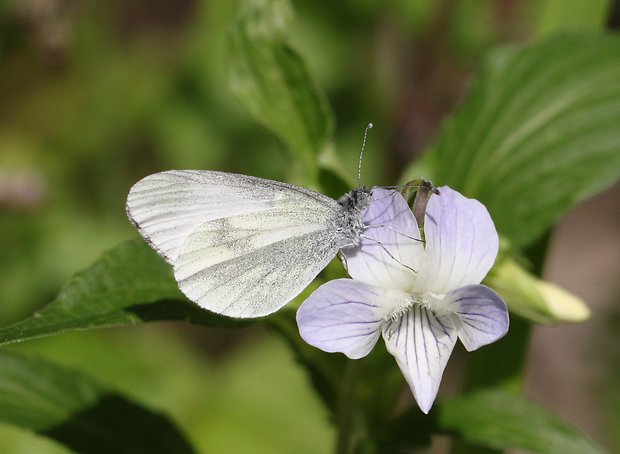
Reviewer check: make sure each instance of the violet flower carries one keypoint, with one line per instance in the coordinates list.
(419, 295)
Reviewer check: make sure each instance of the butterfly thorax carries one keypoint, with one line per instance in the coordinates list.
(353, 203)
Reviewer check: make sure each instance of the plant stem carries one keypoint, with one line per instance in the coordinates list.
(345, 410)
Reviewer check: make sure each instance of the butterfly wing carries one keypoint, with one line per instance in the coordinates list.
(240, 246)
(251, 265)
(167, 207)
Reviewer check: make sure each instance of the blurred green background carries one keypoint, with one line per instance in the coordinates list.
(95, 95)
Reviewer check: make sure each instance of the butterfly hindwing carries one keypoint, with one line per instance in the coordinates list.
(251, 265)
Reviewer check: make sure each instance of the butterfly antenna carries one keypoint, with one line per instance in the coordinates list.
(359, 166)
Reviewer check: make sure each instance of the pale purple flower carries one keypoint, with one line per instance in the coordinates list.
(419, 296)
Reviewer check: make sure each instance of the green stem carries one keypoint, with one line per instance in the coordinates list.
(345, 410)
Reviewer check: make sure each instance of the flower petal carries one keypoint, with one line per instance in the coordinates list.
(481, 315)
(461, 243)
(391, 245)
(344, 316)
(421, 342)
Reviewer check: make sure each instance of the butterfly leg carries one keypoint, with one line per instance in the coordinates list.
(388, 252)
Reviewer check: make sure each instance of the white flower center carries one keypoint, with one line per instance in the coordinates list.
(436, 303)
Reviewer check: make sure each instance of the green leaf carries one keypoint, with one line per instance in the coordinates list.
(538, 133)
(74, 410)
(491, 419)
(128, 285)
(272, 82)
(507, 421)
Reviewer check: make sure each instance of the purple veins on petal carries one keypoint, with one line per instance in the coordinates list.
(480, 314)
(461, 242)
(342, 316)
(421, 313)
(421, 342)
(390, 246)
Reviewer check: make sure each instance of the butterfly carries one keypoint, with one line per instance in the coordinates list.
(239, 245)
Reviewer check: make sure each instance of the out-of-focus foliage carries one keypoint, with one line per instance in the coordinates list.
(493, 420)
(66, 406)
(222, 401)
(572, 15)
(272, 82)
(503, 420)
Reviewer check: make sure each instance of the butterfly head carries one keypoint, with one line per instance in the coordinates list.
(356, 200)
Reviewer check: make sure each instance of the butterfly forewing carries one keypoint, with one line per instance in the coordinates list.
(167, 207)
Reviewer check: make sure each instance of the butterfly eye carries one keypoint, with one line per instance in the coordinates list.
(363, 200)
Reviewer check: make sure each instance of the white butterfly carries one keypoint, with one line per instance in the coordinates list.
(242, 246)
